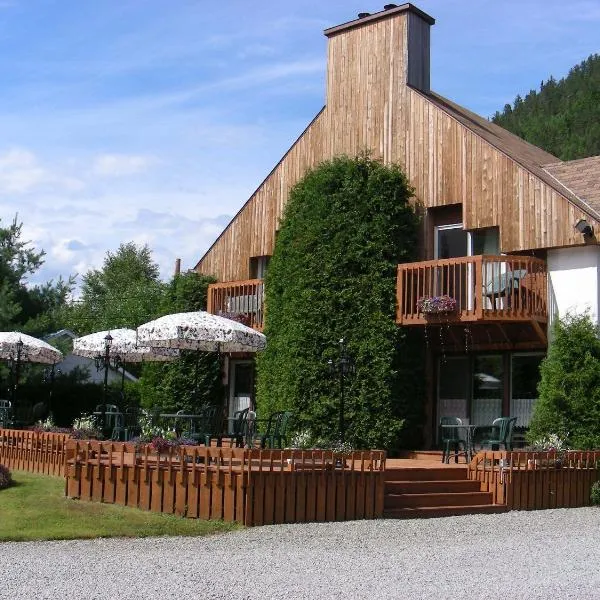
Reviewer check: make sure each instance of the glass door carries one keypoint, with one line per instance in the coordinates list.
(486, 241)
(453, 388)
(241, 384)
(488, 388)
(525, 376)
(451, 241)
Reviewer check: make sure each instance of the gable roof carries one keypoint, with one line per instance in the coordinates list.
(581, 177)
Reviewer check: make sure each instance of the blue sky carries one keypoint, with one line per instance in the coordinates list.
(153, 121)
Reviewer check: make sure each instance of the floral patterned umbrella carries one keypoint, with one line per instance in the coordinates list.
(31, 349)
(123, 345)
(200, 331)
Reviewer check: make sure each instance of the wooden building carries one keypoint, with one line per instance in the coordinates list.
(508, 231)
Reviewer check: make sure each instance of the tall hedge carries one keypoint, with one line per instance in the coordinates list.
(347, 225)
(569, 388)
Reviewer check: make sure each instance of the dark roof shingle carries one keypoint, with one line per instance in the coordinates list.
(581, 177)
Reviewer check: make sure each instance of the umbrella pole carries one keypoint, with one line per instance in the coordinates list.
(105, 387)
(51, 390)
(196, 367)
(16, 381)
(122, 381)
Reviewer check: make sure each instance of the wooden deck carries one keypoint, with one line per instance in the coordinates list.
(238, 300)
(485, 288)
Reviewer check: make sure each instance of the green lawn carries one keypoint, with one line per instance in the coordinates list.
(35, 508)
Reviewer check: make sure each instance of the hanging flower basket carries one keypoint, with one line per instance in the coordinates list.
(435, 305)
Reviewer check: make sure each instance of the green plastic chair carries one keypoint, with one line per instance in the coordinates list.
(240, 427)
(276, 432)
(501, 433)
(452, 440)
(210, 426)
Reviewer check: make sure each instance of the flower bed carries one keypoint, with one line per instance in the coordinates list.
(433, 305)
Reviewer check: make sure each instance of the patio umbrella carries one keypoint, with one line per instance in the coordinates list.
(115, 347)
(16, 345)
(123, 344)
(19, 347)
(200, 331)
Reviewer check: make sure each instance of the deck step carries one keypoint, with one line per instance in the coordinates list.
(426, 512)
(432, 487)
(426, 474)
(422, 455)
(429, 500)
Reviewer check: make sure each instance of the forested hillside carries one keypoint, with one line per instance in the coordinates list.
(562, 117)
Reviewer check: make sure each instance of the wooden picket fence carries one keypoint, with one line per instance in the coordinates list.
(253, 487)
(33, 451)
(537, 480)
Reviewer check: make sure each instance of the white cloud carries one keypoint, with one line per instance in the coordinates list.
(21, 173)
(122, 165)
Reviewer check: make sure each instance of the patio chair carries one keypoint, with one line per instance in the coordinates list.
(452, 440)
(240, 427)
(209, 427)
(5, 413)
(501, 433)
(276, 432)
(132, 423)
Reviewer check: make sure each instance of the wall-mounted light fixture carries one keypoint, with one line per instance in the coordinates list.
(584, 227)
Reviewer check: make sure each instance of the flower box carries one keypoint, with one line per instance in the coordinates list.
(435, 305)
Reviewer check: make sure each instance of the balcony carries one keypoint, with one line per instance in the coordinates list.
(498, 290)
(241, 301)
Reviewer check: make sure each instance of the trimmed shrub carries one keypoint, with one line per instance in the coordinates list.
(569, 388)
(5, 477)
(347, 225)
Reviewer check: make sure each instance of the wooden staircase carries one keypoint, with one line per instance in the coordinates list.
(425, 487)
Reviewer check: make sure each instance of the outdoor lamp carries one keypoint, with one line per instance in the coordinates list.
(343, 366)
(584, 227)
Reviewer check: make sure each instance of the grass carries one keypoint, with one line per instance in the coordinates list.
(35, 508)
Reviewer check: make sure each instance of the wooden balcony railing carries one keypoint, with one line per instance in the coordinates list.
(242, 301)
(485, 288)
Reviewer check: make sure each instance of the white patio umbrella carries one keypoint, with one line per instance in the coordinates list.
(200, 331)
(15, 345)
(117, 346)
(19, 347)
(122, 344)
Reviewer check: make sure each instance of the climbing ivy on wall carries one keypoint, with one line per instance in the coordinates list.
(347, 225)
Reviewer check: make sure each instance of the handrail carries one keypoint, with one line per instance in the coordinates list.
(239, 300)
(484, 287)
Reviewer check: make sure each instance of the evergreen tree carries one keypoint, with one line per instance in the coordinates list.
(347, 225)
(563, 117)
(569, 388)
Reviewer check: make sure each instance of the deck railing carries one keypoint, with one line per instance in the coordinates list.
(537, 480)
(240, 300)
(494, 288)
(253, 487)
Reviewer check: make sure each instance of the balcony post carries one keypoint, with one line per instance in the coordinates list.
(399, 295)
(478, 287)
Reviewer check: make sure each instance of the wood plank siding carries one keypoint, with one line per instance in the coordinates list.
(450, 156)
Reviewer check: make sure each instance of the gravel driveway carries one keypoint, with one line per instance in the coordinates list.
(542, 554)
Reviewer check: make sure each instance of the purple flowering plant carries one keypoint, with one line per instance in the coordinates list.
(432, 305)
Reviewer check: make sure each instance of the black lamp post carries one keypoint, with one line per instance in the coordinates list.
(15, 372)
(49, 376)
(105, 361)
(342, 366)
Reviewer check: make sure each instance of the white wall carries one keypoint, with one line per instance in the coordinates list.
(573, 281)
